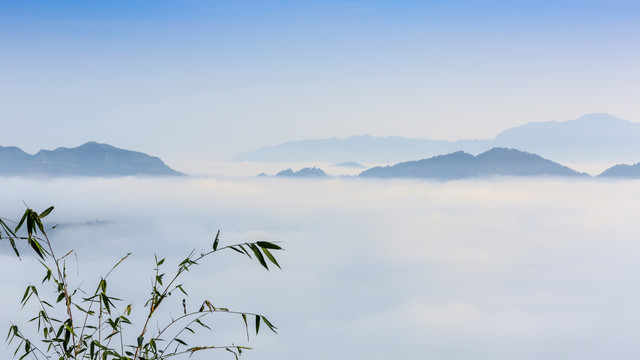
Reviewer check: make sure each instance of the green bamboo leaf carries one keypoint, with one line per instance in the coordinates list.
(39, 224)
(35, 245)
(179, 287)
(259, 256)
(244, 250)
(246, 325)
(105, 302)
(257, 324)
(13, 331)
(26, 294)
(236, 249)
(7, 229)
(68, 328)
(24, 217)
(233, 352)
(269, 324)
(11, 236)
(30, 222)
(270, 257)
(47, 277)
(268, 245)
(216, 241)
(202, 324)
(13, 246)
(46, 212)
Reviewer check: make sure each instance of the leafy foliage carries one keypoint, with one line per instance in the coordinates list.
(94, 328)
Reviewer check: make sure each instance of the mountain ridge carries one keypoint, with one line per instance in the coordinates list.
(460, 165)
(591, 137)
(622, 171)
(89, 159)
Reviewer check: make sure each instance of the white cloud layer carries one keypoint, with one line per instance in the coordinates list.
(505, 269)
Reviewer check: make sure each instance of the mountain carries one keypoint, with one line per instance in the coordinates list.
(460, 165)
(364, 148)
(594, 137)
(622, 170)
(90, 159)
(590, 138)
(306, 172)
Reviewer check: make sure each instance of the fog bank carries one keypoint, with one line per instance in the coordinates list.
(504, 269)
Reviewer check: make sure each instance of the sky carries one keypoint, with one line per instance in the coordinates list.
(206, 80)
(492, 269)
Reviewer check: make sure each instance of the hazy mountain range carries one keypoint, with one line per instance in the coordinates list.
(90, 159)
(623, 170)
(460, 165)
(94, 159)
(592, 138)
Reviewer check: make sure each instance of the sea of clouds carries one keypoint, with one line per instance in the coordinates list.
(493, 269)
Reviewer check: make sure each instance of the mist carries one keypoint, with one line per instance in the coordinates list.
(493, 269)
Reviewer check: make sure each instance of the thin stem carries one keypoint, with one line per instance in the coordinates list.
(166, 289)
(35, 348)
(121, 341)
(200, 348)
(179, 332)
(204, 312)
(86, 318)
(48, 321)
(63, 281)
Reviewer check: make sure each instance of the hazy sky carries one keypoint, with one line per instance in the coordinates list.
(209, 79)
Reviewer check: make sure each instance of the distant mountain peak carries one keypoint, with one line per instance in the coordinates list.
(600, 117)
(88, 159)
(460, 165)
(622, 171)
(93, 144)
(305, 172)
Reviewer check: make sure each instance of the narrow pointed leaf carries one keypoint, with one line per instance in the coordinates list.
(46, 212)
(268, 245)
(259, 256)
(216, 241)
(271, 257)
(257, 324)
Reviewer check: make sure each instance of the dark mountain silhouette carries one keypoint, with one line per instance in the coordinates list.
(594, 137)
(306, 172)
(90, 159)
(460, 165)
(623, 171)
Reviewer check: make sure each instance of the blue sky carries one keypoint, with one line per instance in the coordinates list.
(208, 79)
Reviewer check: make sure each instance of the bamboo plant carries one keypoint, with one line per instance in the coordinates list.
(96, 327)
